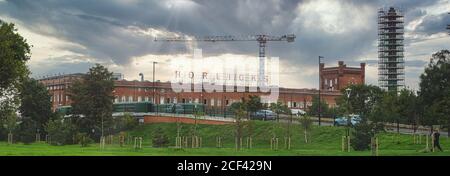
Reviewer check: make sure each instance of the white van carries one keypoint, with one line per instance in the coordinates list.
(297, 112)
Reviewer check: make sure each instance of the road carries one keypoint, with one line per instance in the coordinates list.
(389, 127)
(404, 129)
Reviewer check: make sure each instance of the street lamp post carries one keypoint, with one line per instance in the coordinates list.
(320, 87)
(348, 91)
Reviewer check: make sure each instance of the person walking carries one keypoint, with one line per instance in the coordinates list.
(436, 144)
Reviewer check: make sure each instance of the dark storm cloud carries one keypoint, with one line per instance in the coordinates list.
(102, 27)
(433, 24)
(98, 25)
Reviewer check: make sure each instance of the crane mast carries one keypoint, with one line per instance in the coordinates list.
(261, 39)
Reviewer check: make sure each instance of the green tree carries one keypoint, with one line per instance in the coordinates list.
(61, 131)
(407, 108)
(435, 87)
(125, 123)
(306, 124)
(362, 134)
(8, 108)
(11, 122)
(362, 99)
(440, 110)
(197, 114)
(253, 104)
(14, 52)
(239, 110)
(159, 138)
(83, 139)
(314, 108)
(27, 130)
(35, 103)
(279, 108)
(92, 101)
(390, 109)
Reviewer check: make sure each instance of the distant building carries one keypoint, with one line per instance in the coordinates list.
(117, 76)
(162, 93)
(338, 78)
(391, 63)
(58, 85)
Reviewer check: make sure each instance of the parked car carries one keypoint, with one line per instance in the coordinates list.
(343, 121)
(264, 115)
(297, 112)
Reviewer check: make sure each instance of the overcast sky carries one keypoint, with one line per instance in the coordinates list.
(69, 36)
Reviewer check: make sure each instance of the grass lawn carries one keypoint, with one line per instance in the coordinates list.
(325, 141)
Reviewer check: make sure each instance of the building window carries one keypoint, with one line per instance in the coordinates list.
(295, 104)
(130, 99)
(123, 99)
(227, 102)
(196, 100)
(204, 101)
(183, 100)
(146, 98)
(212, 102)
(219, 102)
(139, 99)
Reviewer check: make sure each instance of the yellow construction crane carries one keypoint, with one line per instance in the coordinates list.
(261, 39)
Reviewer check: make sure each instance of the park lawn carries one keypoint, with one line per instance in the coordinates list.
(325, 141)
(43, 149)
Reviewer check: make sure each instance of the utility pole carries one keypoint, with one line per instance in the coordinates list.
(320, 87)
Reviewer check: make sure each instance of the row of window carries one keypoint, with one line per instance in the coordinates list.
(210, 102)
(130, 99)
(162, 100)
(58, 98)
(56, 87)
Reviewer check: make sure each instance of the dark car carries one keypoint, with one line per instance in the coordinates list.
(343, 121)
(264, 115)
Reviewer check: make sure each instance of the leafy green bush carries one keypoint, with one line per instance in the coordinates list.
(27, 131)
(159, 138)
(83, 139)
(61, 131)
(125, 123)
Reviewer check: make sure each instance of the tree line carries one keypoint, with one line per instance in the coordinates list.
(25, 104)
(429, 106)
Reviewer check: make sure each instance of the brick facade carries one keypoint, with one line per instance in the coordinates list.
(332, 80)
(160, 119)
(338, 78)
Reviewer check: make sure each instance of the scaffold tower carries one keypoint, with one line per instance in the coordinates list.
(391, 63)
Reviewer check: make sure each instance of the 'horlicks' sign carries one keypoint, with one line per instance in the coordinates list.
(224, 75)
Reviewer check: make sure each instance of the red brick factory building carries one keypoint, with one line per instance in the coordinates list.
(332, 80)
